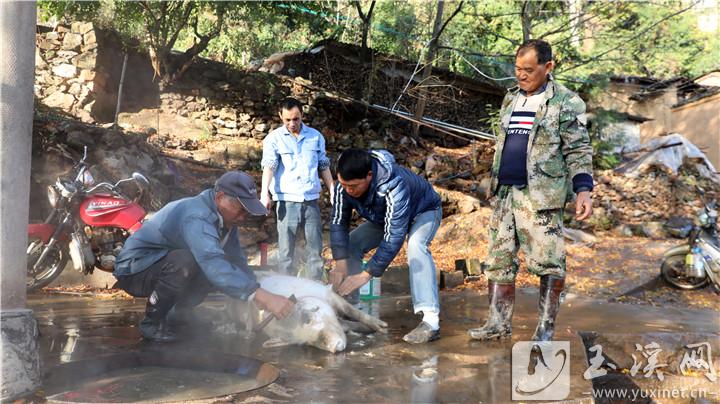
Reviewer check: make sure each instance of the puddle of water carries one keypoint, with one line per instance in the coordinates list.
(156, 374)
(155, 383)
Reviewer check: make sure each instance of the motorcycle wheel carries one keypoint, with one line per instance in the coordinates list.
(673, 271)
(52, 267)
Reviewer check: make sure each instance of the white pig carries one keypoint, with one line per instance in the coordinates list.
(314, 320)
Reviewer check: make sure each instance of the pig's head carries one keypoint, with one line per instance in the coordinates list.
(315, 323)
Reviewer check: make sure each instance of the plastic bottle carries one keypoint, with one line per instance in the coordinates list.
(370, 290)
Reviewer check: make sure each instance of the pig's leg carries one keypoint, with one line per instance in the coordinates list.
(274, 343)
(342, 306)
(349, 325)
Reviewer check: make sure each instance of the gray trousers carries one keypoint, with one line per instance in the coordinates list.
(292, 217)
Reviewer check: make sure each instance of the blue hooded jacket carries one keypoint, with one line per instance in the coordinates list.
(191, 224)
(395, 197)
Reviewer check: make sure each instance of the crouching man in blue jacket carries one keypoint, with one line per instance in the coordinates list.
(396, 203)
(189, 248)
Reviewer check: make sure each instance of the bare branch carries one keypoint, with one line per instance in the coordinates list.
(514, 42)
(359, 10)
(363, 17)
(564, 26)
(148, 10)
(493, 55)
(372, 6)
(179, 27)
(457, 10)
(163, 18)
(489, 16)
(198, 47)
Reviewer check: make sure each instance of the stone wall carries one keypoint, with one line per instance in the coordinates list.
(79, 72)
(225, 101)
(234, 103)
(78, 69)
(65, 68)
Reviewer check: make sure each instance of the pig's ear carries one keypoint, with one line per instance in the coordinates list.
(306, 315)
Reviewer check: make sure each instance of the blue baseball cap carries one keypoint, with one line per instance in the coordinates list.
(239, 185)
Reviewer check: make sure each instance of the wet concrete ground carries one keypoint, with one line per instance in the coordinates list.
(383, 368)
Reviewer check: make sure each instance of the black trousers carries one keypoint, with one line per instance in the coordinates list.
(176, 279)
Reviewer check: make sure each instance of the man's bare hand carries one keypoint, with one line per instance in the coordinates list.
(583, 206)
(338, 274)
(279, 306)
(353, 282)
(266, 200)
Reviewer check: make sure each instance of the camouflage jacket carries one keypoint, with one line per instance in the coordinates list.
(558, 145)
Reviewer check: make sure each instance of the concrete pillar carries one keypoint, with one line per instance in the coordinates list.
(20, 359)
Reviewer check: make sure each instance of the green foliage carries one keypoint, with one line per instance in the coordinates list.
(597, 39)
(49, 10)
(603, 159)
(123, 17)
(396, 30)
(156, 25)
(605, 156)
(657, 40)
(258, 29)
(492, 120)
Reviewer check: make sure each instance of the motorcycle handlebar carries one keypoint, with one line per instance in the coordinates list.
(112, 187)
(81, 171)
(100, 185)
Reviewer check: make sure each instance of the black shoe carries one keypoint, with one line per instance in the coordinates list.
(421, 334)
(499, 321)
(156, 331)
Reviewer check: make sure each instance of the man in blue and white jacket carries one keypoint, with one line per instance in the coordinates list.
(396, 203)
(293, 162)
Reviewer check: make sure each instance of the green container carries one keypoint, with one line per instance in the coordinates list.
(370, 290)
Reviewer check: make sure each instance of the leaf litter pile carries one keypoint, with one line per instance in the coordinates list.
(607, 269)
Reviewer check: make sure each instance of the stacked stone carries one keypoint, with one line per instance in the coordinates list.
(644, 204)
(65, 68)
(654, 196)
(232, 103)
(218, 99)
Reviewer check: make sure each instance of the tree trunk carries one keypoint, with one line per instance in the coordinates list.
(427, 70)
(365, 30)
(526, 18)
(366, 20)
(575, 8)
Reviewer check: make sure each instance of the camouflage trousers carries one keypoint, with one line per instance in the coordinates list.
(513, 225)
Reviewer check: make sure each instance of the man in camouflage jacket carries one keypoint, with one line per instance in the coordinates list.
(542, 152)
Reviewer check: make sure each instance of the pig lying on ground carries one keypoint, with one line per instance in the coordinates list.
(314, 320)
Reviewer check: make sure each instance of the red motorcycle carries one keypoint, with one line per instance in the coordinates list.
(86, 225)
